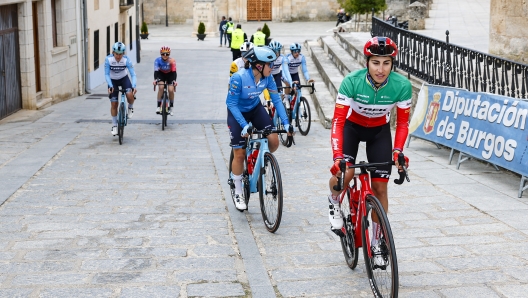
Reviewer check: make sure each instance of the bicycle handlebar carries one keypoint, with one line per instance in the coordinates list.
(369, 166)
(158, 83)
(267, 132)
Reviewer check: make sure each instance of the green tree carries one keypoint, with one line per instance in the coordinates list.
(201, 28)
(266, 30)
(363, 6)
(144, 28)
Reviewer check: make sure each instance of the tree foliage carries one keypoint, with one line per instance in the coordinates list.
(201, 28)
(144, 28)
(363, 6)
(266, 30)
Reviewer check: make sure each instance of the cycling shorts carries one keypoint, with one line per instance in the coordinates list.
(295, 77)
(378, 142)
(167, 77)
(258, 117)
(278, 79)
(125, 84)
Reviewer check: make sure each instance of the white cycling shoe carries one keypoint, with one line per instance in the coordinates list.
(130, 113)
(158, 110)
(334, 215)
(379, 260)
(240, 204)
(114, 131)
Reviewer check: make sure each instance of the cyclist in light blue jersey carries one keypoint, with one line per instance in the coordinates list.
(296, 59)
(244, 107)
(117, 68)
(280, 70)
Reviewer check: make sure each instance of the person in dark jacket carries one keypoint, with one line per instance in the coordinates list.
(222, 29)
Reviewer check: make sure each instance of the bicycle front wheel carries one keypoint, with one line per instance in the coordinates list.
(121, 123)
(278, 124)
(380, 259)
(348, 244)
(163, 114)
(270, 193)
(304, 116)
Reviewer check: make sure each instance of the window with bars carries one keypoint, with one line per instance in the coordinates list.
(54, 22)
(116, 32)
(96, 49)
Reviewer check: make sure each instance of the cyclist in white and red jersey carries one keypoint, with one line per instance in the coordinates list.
(165, 71)
(362, 114)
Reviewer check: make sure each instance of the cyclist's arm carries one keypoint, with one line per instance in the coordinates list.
(286, 71)
(403, 110)
(275, 98)
(305, 69)
(107, 73)
(342, 106)
(233, 96)
(130, 67)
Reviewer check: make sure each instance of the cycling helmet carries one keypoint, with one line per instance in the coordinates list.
(119, 47)
(260, 54)
(380, 46)
(295, 47)
(275, 45)
(165, 49)
(246, 46)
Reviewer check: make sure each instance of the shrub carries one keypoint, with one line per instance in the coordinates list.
(266, 30)
(144, 28)
(201, 28)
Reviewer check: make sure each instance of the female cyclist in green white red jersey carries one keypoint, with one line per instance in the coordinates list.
(362, 114)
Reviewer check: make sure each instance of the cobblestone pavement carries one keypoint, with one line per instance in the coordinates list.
(83, 216)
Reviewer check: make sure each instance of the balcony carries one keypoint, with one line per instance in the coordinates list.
(125, 4)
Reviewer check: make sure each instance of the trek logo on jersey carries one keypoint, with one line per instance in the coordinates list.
(370, 112)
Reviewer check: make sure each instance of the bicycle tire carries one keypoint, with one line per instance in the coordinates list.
(121, 123)
(245, 181)
(348, 243)
(271, 197)
(163, 113)
(381, 287)
(303, 115)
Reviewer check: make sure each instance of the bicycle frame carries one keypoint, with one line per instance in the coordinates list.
(262, 145)
(124, 103)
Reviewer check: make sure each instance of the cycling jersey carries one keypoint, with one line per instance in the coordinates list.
(237, 65)
(165, 70)
(244, 95)
(116, 70)
(294, 63)
(282, 61)
(359, 101)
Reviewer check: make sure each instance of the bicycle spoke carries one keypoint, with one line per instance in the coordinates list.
(270, 193)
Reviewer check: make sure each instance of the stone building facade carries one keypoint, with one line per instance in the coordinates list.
(509, 30)
(181, 11)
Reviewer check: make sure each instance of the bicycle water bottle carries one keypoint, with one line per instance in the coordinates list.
(252, 160)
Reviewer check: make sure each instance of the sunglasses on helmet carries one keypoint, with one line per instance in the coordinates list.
(165, 54)
(296, 51)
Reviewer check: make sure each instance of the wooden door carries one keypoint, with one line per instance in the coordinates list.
(259, 10)
(10, 92)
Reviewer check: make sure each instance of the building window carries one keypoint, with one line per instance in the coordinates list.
(116, 33)
(108, 41)
(54, 21)
(111, 4)
(130, 30)
(96, 4)
(96, 49)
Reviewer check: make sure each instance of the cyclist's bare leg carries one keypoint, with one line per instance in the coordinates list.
(273, 142)
(130, 97)
(333, 181)
(380, 191)
(286, 88)
(113, 108)
(171, 92)
(237, 167)
(160, 90)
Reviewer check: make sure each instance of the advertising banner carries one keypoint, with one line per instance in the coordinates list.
(486, 126)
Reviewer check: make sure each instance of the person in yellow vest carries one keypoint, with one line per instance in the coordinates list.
(229, 30)
(259, 38)
(238, 37)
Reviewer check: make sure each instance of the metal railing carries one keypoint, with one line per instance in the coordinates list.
(441, 63)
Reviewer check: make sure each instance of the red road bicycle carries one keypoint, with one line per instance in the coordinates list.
(358, 209)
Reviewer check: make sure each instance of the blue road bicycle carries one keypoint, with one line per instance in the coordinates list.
(298, 108)
(122, 116)
(165, 104)
(261, 173)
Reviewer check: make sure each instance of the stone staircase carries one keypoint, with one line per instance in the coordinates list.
(334, 57)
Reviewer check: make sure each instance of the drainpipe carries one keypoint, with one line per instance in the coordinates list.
(80, 65)
(138, 57)
(85, 40)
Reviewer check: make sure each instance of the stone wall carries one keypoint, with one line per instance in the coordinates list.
(179, 11)
(314, 10)
(509, 29)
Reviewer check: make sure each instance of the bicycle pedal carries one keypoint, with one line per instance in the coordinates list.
(339, 232)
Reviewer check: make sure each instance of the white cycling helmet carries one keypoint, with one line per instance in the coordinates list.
(246, 46)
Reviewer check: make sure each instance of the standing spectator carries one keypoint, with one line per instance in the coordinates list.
(258, 38)
(222, 29)
(340, 16)
(229, 30)
(238, 37)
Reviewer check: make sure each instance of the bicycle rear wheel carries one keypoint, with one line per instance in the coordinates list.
(270, 193)
(383, 278)
(278, 124)
(121, 123)
(304, 116)
(245, 181)
(348, 244)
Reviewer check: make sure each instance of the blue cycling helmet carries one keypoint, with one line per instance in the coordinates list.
(295, 47)
(119, 47)
(260, 54)
(275, 45)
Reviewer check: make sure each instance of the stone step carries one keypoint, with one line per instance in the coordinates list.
(323, 100)
(339, 56)
(43, 103)
(330, 74)
(353, 43)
